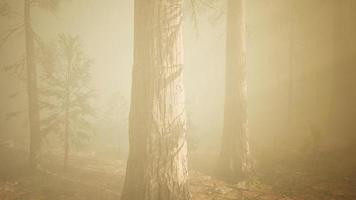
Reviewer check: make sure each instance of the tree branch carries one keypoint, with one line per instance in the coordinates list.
(17, 68)
(8, 33)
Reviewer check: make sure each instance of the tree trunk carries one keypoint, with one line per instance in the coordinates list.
(235, 162)
(66, 148)
(35, 137)
(291, 69)
(67, 107)
(157, 163)
(343, 95)
(66, 129)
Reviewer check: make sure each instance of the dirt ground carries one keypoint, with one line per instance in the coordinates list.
(91, 178)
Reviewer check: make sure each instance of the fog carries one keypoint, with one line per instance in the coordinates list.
(297, 126)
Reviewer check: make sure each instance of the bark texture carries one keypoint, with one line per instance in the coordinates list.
(35, 137)
(235, 162)
(157, 163)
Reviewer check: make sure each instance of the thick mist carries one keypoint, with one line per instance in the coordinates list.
(256, 99)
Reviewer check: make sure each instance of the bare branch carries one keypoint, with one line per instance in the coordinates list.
(17, 68)
(7, 11)
(8, 33)
(14, 114)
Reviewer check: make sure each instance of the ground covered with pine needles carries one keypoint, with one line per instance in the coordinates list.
(89, 177)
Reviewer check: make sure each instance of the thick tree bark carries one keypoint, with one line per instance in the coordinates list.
(35, 137)
(157, 163)
(235, 162)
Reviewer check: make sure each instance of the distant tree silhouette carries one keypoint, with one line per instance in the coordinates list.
(26, 67)
(235, 161)
(66, 92)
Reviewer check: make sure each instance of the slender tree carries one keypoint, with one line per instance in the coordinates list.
(291, 62)
(33, 112)
(235, 160)
(30, 62)
(157, 163)
(65, 93)
(343, 95)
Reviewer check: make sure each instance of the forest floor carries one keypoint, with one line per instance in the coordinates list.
(91, 178)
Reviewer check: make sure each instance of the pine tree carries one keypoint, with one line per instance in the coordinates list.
(66, 93)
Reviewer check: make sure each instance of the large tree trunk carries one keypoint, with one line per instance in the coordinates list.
(157, 163)
(35, 137)
(235, 158)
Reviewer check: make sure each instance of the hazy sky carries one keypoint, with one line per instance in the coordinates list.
(106, 31)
